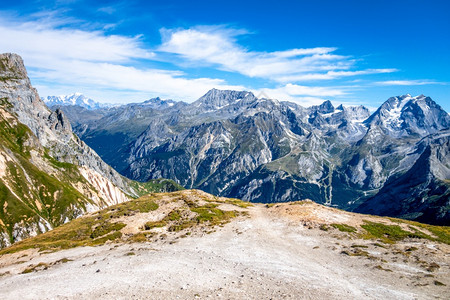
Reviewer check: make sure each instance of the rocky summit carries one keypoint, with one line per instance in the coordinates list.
(230, 143)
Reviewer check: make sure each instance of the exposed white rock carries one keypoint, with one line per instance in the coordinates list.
(109, 194)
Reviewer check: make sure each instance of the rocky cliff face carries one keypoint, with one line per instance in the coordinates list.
(52, 128)
(422, 192)
(233, 144)
(47, 174)
(409, 116)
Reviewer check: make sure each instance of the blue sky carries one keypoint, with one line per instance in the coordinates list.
(351, 52)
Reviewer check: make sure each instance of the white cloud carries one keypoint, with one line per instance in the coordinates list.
(218, 46)
(118, 78)
(407, 82)
(36, 40)
(298, 90)
(298, 52)
(333, 75)
(107, 10)
(59, 57)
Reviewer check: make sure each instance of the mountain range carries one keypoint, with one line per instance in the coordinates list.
(112, 229)
(392, 162)
(74, 99)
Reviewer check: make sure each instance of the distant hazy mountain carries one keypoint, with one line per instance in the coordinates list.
(74, 99)
(158, 103)
(231, 143)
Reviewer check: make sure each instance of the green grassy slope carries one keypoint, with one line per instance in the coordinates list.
(34, 197)
(190, 210)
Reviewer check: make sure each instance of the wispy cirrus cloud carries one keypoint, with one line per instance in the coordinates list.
(218, 46)
(333, 75)
(36, 39)
(408, 82)
(299, 90)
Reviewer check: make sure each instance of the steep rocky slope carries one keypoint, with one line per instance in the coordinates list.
(233, 144)
(428, 179)
(41, 185)
(52, 128)
(48, 176)
(191, 244)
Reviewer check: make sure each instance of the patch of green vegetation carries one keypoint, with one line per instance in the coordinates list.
(59, 164)
(59, 199)
(79, 232)
(344, 227)
(13, 211)
(204, 214)
(62, 260)
(155, 186)
(359, 246)
(138, 238)
(324, 227)
(441, 233)
(239, 203)
(356, 252)
(41, 196)
(34, 268)
(5, 67)
(8, 78)
(110, 237)
(14, 136)
(5, 273)
(189, 202)
(174, 215)
(389, 234)
(383, 269)
(5, 103)
(211, 214)
(181, 226)
(298, 203)
(144, 204)
(105, 228)
(269, 205)
(154, 224)
(287, 163)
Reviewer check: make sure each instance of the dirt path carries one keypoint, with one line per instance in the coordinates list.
(260, 257)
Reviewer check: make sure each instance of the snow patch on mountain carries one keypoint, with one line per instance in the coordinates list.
(74, 99)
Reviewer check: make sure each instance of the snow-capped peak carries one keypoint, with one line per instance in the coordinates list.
(405, 114)
(73, 99)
